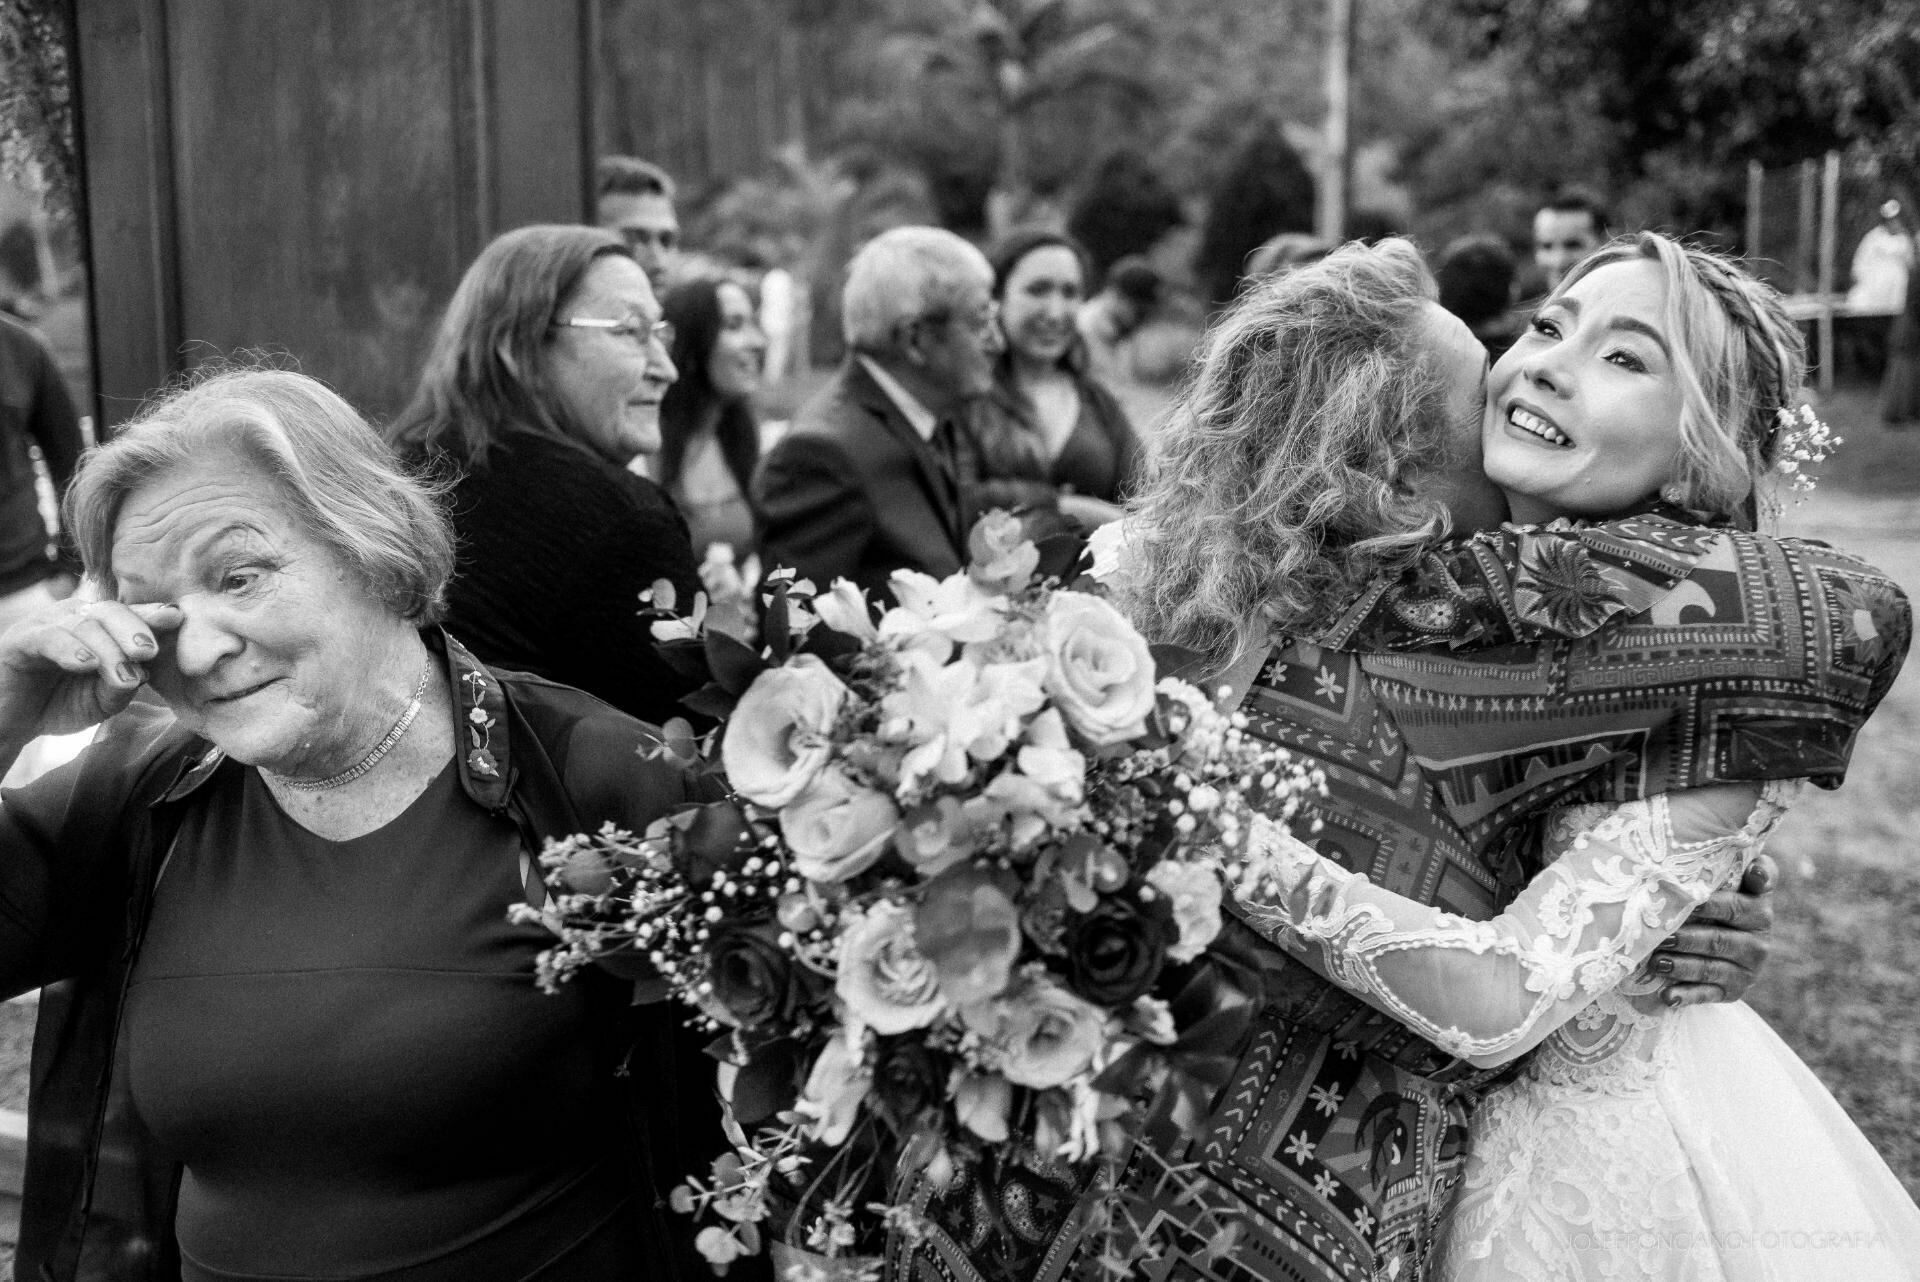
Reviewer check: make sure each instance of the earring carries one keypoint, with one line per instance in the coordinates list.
(1673, 493)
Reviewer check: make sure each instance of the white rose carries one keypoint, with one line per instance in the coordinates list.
(837, 827)
(1193, 890)
(885, 981)
(844, 609)
(1099, 671)
(1044, 1035)
(780, 733)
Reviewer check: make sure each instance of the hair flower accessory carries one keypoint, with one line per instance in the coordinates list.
(1801, 438)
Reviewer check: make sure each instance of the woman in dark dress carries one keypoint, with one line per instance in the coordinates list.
(709, 437)
(299, 1035)
(544, 383)
(1048, 420)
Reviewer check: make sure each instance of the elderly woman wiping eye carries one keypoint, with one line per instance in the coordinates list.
(280, 894)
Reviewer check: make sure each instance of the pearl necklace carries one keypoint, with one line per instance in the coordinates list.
(380, 749)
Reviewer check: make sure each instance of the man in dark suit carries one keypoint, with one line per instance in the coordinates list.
(868, 479)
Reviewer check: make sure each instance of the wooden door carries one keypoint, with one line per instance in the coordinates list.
(307, 180)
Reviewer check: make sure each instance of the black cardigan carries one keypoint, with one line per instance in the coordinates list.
(556, 544)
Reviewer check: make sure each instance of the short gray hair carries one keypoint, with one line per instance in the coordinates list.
(904, 275)
(338, 479)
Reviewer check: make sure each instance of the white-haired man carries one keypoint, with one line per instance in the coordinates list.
(869, 479)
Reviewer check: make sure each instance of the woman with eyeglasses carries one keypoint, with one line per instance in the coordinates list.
(544, 382)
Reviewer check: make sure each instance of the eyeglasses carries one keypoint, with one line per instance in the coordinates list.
(979, 324)
(641, 331)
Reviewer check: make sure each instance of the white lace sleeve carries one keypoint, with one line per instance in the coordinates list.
(1621, 879)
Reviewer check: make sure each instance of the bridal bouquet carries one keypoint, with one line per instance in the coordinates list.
(959, 903)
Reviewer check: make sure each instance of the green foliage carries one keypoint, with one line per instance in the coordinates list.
(1265, 190)
(1662, 102)
(996, 95)
(37, 147)
(1123, 210)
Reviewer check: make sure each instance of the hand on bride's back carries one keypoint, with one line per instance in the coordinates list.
(1720, 951)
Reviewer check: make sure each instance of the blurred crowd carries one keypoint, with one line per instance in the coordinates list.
(592, 402)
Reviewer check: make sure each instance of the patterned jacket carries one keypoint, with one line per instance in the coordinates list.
(1516, 672)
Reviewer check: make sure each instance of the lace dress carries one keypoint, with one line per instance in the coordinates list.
(1638, 1142)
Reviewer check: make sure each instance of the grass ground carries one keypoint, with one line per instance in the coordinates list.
(1843, 987)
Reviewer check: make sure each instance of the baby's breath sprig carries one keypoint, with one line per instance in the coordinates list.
(1803, 439)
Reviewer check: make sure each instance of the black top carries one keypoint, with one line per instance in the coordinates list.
(83, 846)
(1100, 458)
(556, 545)
(34, 410)
(339, 1042)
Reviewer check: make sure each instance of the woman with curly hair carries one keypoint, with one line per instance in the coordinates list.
(1315, 452)
(1544, 747)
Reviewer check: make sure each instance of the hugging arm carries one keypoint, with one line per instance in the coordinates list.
(1718, 954)
(1622, 878)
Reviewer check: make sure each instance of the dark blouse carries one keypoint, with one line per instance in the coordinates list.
(340, 1042)
(1100, 457)
(556, 545)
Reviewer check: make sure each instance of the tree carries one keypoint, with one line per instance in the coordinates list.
(1265, 190)
(976, 79)
(36, 100)
(1123, 210)
(1663, 101)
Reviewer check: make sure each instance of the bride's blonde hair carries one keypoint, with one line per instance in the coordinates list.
(1739, 359)
(1279, 483)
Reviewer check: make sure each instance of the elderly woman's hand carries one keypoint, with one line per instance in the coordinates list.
(75, 664)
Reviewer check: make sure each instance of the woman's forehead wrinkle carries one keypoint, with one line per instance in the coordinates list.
(185, 518)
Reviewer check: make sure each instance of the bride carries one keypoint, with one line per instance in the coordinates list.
(1639, 1140)
(1334, 420)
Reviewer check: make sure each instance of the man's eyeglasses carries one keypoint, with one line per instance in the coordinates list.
(640, 331)
(978, 324)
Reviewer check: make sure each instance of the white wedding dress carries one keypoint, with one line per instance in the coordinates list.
(1639, 1142)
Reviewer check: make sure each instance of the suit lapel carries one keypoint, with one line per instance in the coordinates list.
(937, 481)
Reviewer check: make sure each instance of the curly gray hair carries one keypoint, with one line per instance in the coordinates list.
(1280, 483)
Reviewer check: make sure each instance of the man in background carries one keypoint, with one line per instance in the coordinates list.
(1571, 225)
(869, 479)
(634, 199)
